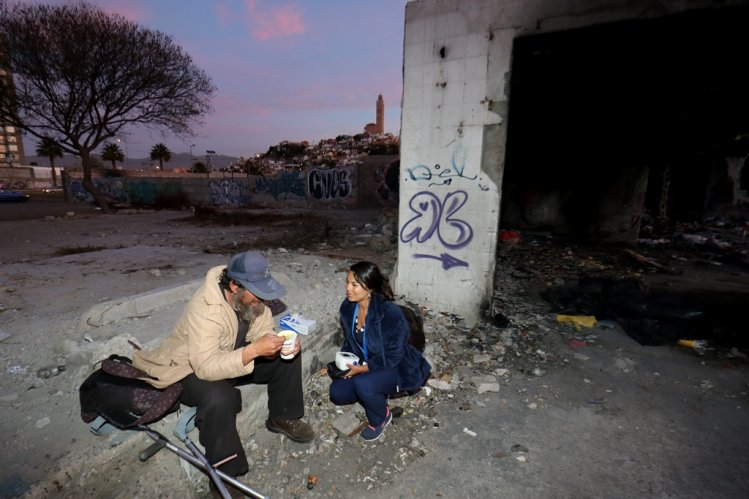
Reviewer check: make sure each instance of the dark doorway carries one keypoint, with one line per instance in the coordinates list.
(618, 103)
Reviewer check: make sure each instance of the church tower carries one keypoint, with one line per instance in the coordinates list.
(380, 125)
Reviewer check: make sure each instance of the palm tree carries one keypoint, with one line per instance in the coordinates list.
(162, 153)
(113, 153)
(50, 148)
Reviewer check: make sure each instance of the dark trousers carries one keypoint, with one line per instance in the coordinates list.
(370, 389)
(219, 402)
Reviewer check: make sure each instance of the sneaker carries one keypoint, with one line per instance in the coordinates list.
(295, 429)
(372, 433)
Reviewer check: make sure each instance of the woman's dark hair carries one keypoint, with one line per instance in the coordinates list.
(368, 275)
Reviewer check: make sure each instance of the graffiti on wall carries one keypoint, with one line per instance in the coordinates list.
(434, 218)
(439, 175)
(282, 186)
(114, 189)
(226, 191)
(388, 186)
(330, 184)
(13, 185)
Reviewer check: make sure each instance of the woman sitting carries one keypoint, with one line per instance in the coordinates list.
(376, 331)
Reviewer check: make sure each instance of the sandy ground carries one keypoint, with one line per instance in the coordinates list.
(578, 413)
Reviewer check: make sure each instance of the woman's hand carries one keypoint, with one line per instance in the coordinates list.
(354, 370)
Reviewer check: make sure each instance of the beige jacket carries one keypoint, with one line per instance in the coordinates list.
(203, 340)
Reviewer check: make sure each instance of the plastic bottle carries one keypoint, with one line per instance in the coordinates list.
(699, 346)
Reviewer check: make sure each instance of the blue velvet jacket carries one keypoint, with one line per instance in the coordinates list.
(386, 333)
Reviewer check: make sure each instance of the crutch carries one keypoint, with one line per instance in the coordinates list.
(185, 424)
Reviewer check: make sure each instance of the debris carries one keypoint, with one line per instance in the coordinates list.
(312, 481)
(481, 357)
(519, 448)
(537, 371)
(469, 432)
(48, 372)
(439, 384)
(485, 384)
(649, 261)
(699, 346)
(510, 237)
(576, 344)
(578, 320)
(346, 424)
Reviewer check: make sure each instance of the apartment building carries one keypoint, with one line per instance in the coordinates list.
(11, 141)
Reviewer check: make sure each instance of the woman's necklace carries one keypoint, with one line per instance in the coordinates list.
(360, 320)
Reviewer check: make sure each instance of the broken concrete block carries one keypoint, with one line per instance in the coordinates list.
(485, 384)
(346, 424)
(481, 357)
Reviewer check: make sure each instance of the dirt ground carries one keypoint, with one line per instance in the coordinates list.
(578, 413)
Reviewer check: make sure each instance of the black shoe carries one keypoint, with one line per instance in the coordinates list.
(295, 429)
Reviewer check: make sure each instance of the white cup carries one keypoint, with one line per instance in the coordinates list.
(343, 358)
(289, 341)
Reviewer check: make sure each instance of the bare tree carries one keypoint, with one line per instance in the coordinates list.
(83, 76)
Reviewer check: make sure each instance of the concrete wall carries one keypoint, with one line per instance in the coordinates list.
(457, 62)
(329, 187)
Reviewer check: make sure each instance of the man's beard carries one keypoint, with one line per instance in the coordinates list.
(247, 311)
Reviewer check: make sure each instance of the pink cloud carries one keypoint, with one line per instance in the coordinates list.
(274, 23)
(224, 15)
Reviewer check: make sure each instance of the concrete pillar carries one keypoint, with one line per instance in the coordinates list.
(457, 62)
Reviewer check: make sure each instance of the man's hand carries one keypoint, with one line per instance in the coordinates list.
(265, 346)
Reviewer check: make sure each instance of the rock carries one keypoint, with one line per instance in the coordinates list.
(439, 384)
(346, 424)
(485, 384)
(380, 244)
(481, 357)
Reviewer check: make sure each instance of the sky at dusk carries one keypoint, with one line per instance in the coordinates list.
(284, 70)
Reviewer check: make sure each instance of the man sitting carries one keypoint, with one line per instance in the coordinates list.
(225, 337)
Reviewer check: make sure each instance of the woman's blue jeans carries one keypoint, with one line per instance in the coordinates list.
(370, 389)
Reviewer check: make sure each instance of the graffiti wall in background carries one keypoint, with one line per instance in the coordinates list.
(388, 183)
(228, 192)
(282, 187)
(333, 185)
(114, 189)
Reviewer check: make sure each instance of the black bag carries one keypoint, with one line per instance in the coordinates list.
(416, 335)
(117, 392)
(334, 372)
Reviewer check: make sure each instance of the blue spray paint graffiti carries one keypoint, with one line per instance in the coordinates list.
(329, 184)
(433, 217)
(227, 192)
(445, 176)
(282, 186)
(114, 190)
